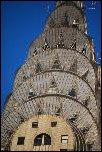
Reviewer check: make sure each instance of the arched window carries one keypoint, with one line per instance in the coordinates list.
(42, 139)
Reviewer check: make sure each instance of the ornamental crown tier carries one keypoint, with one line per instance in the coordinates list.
(59, 81)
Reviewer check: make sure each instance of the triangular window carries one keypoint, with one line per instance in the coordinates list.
(84, 51)
(72, 93)
(73, 66)
(60, 43)
(65, 21)
(35, 52)
(90, 146)
(56, 64)
(38, 67)
(84, 76)
(39, 110)
(85, 130)
(86, 101)
(46, 46)
(52, 23)
(53, 87)
(26, 75)
(73, 118)
(73, 45)
(58, 112)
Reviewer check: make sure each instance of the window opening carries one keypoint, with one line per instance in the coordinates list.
(20, 140)
(72, 92)
(34, 124)
(42, 139)
(64, 139)
(53, 124)
(84, 51)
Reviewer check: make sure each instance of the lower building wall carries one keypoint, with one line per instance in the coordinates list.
(44, 126)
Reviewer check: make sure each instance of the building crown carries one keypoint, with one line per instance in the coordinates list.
(77, 3)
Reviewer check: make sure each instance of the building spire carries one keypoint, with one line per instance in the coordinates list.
(78, 3)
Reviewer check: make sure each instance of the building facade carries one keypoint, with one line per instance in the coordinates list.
(55, 102)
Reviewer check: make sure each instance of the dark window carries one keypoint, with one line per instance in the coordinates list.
(47, 140)
(38, 68)
(85, 102)
(84, 51)
(85, 130)
(10, 133)
(34, 124)
(53, 124)
(89, 146)
(24, 77)
(64, 139)
(31, 94)
(42, 139)
(75, 23)
(73, 118)
(52, 23)
(56, 65)
(38, 140)
(58, 112)
(46, 46)
(73, 45)
(63, 149)
(66, 23)
(72, 93)
(21, 119)
(84, 76)
(35, 52)
(20, 140)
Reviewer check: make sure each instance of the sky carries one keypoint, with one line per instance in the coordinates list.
(21, 23)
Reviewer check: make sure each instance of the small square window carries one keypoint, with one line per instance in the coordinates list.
(64, 139)
(34, 124)
(53, 124)
(20, 140)
(30, 93)
(63, 149)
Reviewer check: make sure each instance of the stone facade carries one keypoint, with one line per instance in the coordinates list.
(60, 82)
(44, 125)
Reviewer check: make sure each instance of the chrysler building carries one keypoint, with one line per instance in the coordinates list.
(55, 101)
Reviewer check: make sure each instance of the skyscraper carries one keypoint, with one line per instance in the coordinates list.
(54, 105)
